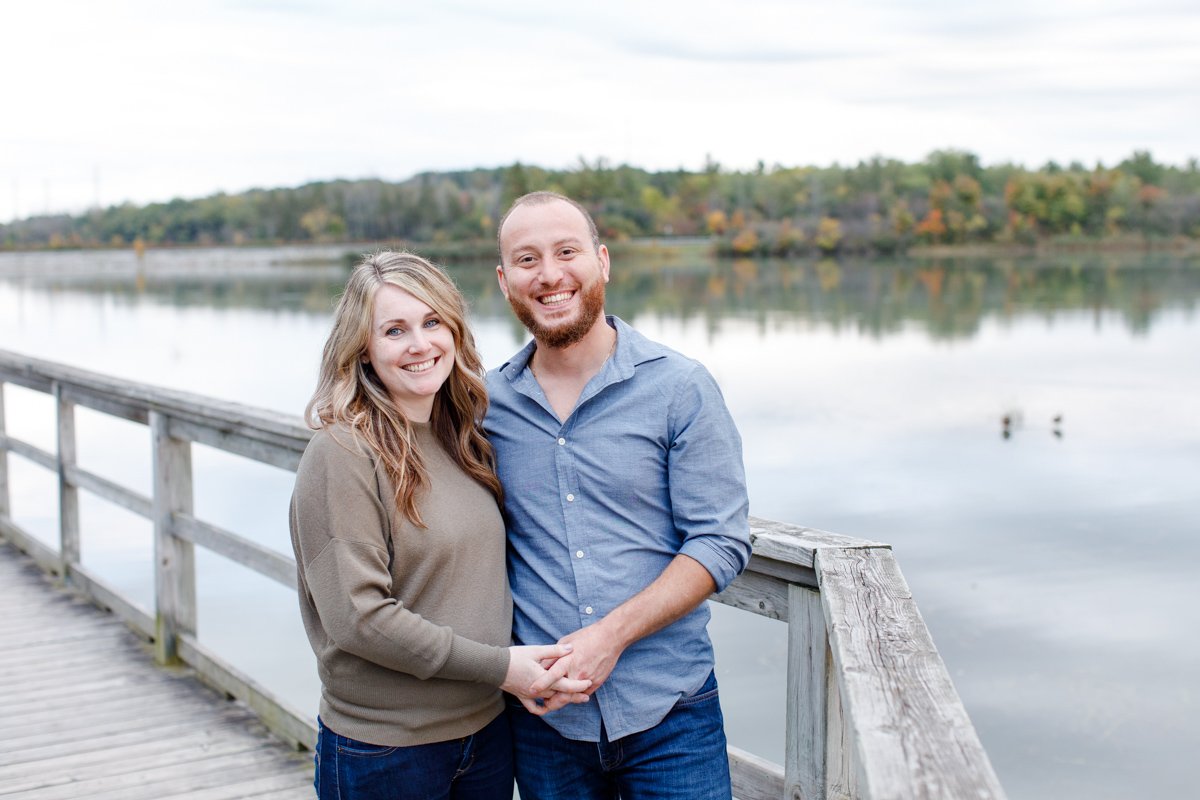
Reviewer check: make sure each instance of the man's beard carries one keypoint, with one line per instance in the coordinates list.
(560, 336)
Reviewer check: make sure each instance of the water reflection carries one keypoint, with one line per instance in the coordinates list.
(947, 298)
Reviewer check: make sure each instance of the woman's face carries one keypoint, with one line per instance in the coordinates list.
(411, 350)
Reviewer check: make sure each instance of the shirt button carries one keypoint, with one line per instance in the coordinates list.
(587, 610)
(579, 554)
(570, 498)
(562, 441)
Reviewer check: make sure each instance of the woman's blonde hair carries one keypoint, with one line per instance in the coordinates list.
(349, 392)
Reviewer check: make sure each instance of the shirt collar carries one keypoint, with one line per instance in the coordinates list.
(632, 349)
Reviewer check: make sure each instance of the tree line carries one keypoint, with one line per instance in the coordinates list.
(878, 205)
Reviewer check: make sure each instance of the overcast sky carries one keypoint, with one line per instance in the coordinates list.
(143, 100)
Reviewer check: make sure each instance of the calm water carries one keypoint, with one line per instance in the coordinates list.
(1055, 565)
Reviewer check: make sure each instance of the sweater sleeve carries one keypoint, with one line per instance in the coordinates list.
(340, 523)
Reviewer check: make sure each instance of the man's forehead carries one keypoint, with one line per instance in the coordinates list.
(530, 220)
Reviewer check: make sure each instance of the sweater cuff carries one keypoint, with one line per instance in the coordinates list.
(471, 661)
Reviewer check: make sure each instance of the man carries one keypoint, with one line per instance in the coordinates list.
(626, 507)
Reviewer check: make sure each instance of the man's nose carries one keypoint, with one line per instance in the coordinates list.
(551, 272)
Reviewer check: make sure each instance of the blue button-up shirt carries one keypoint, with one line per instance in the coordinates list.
(647, 466)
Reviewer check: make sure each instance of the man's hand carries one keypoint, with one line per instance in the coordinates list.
(542, 666)
(682, 586)
(595, 652)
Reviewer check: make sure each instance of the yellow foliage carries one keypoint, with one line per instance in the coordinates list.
(717, 222)
(745, 243)
(829, 234)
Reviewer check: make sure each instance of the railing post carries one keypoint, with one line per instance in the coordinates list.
(68, 495)
(5, 508)
(174, 559)
(807, 697)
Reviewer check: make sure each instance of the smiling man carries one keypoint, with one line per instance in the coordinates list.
(625, 502)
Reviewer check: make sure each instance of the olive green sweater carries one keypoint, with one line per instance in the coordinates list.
(414, 653)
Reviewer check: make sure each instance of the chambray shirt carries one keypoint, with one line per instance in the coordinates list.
(648, 465)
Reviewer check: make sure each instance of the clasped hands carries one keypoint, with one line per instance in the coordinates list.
(547, 677)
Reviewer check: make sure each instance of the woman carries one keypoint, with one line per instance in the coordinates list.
(400, 551)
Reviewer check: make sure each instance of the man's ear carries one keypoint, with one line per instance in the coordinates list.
(501, 280)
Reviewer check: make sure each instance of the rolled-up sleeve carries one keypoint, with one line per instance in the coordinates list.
(707, 479)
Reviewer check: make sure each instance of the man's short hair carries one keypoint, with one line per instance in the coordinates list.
(541, 198)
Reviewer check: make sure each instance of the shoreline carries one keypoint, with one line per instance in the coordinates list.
(669, 249)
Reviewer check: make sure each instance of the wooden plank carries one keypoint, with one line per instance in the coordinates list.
(5, 507)
(27, 543)
(236, 439)
(68, 495)
(758, 594)
(807, 679)
(912, 737)
(754, 777)
(84, 755)
(298, 793)
(69, 666)
(156, 781)
(795, 544)
(841, 782)
(784, 571)
(174, 559)
(281, 429)
(151, 719)
(106, 404)
(29, 377)
(274, 787)
(113, 492)
(98, 693)
(91, 761)
(109, 599)
(81, 773)
(281, 718)
(26, 450)
(127, 730)
(263, 560)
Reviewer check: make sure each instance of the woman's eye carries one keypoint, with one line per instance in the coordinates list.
(393, 331)
(432, 323)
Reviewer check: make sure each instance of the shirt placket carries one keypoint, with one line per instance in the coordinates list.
(574, 510)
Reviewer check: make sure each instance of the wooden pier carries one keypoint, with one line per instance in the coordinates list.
(871, 711)
(87, 713)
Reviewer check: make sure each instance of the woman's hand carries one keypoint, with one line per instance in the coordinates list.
(529, 664)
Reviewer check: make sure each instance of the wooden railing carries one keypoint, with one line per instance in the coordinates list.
(871, 710)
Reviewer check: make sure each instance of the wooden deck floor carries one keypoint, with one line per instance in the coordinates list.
(85, 713)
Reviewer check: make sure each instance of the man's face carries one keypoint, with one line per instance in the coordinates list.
(550, 273)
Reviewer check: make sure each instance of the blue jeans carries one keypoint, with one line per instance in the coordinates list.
(681, 758)
(478, 767)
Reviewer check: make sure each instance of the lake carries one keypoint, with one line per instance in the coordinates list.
(1053, 556)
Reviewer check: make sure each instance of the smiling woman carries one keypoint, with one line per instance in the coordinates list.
(409, 350)
(398, 483)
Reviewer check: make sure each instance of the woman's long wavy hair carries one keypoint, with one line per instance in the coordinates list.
(349, 392)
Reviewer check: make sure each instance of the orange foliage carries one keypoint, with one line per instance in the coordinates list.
(932, 226)
(1149, 195)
